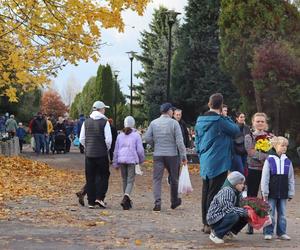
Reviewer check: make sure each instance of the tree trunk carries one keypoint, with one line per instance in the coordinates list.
(258, 100)
(276, 120)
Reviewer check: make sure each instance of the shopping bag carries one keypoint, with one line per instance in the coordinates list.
(138, 170)
(76, 142)
(32, 143)
(184, 185)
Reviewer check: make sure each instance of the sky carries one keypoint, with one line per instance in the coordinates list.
(115, 52)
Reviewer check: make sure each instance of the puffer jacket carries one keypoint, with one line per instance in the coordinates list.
(128, 149)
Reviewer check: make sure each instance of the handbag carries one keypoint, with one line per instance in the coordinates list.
(184, 185)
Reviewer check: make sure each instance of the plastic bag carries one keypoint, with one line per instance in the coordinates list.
(76, 142)
(257, 222)
(138, 170)
(184, 185)
(32, 143)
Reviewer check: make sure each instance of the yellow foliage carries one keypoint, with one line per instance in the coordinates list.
(38, 38)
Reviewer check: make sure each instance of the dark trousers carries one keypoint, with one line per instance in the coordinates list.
(253, 182)
(97, 176)
(81, 148)
(231, 222)
(21, 141)
(210, 188)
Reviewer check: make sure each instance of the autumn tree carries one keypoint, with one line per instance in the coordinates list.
(276, 76)
(38, 38)
(246, 25)
(52, 103)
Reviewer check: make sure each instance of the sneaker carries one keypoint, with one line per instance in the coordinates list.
(284, 237)
(215, 239)
(177, 204)
(92, 206)
(157, 208)
(126, 203)
(100, 203)
(80, 198)
(268, 237)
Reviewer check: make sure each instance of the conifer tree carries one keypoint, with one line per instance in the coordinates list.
(196, 69)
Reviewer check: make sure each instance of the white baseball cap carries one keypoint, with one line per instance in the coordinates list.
(99, 105)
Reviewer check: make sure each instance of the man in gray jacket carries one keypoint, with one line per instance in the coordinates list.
(164, 133)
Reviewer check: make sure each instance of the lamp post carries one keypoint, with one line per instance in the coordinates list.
(171, 19)
(116, 73)
(131, 55)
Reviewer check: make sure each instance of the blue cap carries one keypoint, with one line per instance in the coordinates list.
(164, 108)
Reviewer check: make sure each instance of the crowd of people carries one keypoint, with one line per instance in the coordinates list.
(232, 157)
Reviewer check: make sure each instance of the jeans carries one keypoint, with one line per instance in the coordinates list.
(128, 176)
(47, 142)
(231, 222)
(171, 163)
(39, 142)
(97, 176)
(239, 163)
(280, 206)
(210, 188)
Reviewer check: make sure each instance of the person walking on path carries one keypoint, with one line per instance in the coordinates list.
(224, 214)
(11, 126)
(21, 133)
(256, 156)
(240, 153)
(114, 134)
(79, 125)
(49, 135)
(214, 143)
(165, 135)
(96, 138)
(128, 152)
(278, 186)
(39, 129)
(183, 127)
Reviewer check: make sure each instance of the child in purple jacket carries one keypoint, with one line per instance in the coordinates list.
(128, 152)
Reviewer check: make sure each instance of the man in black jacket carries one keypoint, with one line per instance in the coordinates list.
(185, 133)
(39, 129)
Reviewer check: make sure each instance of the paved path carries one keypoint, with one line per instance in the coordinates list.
(40, 224)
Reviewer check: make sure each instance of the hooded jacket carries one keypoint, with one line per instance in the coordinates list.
(129, 149)
(96, 115)
(214, 143)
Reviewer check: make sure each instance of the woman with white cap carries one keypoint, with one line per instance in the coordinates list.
(128, 152)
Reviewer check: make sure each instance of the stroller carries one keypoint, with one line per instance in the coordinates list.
(59, 142)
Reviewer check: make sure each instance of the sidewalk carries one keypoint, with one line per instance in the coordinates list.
(63, 224)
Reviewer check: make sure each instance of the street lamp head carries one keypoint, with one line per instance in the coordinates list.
(131, 54)
(116, 73)
(172, 14)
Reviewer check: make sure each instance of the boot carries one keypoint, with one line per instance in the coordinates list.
(249, 230)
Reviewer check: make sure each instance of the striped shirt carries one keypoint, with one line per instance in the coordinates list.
(224, 203)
